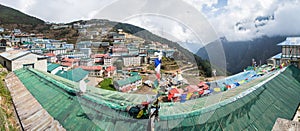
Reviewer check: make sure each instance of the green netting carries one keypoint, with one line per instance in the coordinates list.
(256, 109)
(253, 106)
(117, 97)
(86, 112)
(192, 106)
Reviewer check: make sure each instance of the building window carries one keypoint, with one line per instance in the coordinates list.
(28, 66)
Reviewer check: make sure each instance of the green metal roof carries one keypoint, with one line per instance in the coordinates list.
(128, 80)
(74, 75)
(52, 66)
(134, 73)
(27, 43)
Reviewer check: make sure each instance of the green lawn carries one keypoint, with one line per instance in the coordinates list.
(107, 84)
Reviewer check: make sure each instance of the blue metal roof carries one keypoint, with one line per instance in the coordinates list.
(291, 41)
(278, 56)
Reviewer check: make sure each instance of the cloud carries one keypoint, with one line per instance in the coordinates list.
(168, 28)
(234, 19)
(237, 21)
(58, 10)
(287, 20)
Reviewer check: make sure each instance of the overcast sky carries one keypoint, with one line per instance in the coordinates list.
(234, 19)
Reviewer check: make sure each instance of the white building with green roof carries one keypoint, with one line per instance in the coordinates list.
(53, 68)
(128, 84)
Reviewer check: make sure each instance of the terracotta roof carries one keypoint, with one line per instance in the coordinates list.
(50, 54)
(91, 68)
(100, 55)
(119, 49)
(110, 68)
(69, 60)
(98, 60)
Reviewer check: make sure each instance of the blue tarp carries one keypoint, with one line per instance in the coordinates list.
(183, 98)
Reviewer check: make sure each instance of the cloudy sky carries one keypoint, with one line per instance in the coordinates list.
(234, 19)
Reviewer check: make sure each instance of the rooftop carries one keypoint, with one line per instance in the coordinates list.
(95, 110)
(69, 60)
(110, 68)
(128, 80)
(291, 41)
(278, 56)
(255, 106)
(101, 55)
(91, 68)
(76, 74)
(50, 54)
(14, 54)
(52, 66)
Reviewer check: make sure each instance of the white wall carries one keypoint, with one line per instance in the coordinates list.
(56, 70)
(8, 63)
(30, 59)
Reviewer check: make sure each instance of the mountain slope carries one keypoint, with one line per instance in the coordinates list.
(203, 65)
(240, 54)
(11, 16)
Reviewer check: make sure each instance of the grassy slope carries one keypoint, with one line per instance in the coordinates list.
(11, 16)
(7, 119)
(107, 84)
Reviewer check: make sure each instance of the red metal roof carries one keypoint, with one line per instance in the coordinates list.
(100, 56)
(110, 68)
(91, 68)
(50, 54)
(69, 60)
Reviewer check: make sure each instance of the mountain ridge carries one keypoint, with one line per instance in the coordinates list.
(9, 15)
(239, 54)
(17, 19)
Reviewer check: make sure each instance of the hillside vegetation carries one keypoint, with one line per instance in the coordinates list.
(184, 54)
(7, 117)
(11, 16)
(11, 19)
